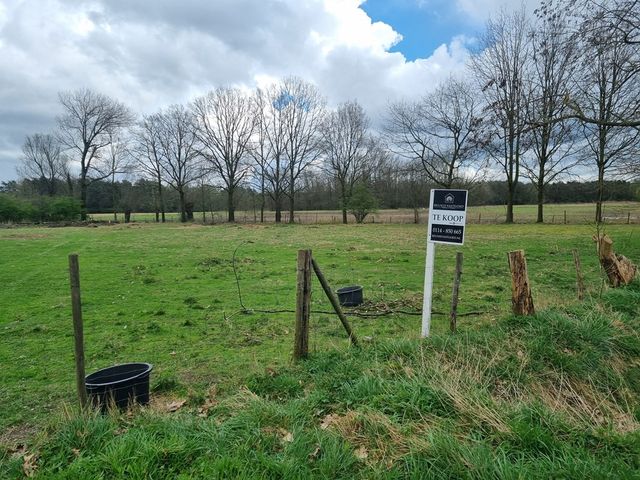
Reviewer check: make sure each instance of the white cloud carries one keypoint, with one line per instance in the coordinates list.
(151, 53)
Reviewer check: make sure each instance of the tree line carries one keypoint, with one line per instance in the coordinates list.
(544, 99)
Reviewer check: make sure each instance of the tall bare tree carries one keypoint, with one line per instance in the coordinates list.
(443, 131)
(181, 161)
(86, 127)
(224, 126)
(148, 151)
(302, 108)
(260, 147)
(344, 145)
(500, 68)
(549, 79)
(118, 161)
(598, 24)
(269, 146)
(43, 160)
(608, 91)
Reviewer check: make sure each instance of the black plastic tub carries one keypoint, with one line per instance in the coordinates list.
(350, 296)
(119, 385)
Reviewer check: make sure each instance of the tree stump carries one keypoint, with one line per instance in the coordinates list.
(619, 269)
(521, 300)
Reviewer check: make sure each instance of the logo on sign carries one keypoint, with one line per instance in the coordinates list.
(449, 198)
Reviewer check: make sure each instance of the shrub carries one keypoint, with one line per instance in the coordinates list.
(362, 202)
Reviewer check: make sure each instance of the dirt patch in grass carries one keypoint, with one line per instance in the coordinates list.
(17, 435)
(24, 236)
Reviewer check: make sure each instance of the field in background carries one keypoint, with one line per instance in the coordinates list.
(167, 294)
(578, 213)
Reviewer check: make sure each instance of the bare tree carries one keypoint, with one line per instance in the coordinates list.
(345, 147)
(224, 127)
(500, 68)
(269, 146)
(598, 24)
(302, 110)
(181, 161)
(552, 136)
(43, 160)
(118, 161)
(148, 152)
(260, 147)
(443, 131)
(608, 91)
(86, 127)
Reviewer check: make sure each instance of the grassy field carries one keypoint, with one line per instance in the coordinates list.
(167, 294)
(577, 213)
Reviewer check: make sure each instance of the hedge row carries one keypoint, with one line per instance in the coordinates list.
(41, 209)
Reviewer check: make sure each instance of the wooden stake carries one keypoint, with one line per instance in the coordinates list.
(303, 305)
(579, 277)
(334, 303)
(76, 307)
(521, 300)
(454, 295)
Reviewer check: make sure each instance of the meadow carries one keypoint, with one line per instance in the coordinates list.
(167, 295)
(574, 213)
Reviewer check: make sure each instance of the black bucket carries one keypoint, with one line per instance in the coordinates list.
(119, 385)
(350, 296)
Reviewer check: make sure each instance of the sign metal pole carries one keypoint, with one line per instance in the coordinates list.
(428, 288)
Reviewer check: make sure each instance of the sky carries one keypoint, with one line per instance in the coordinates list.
(150, 54)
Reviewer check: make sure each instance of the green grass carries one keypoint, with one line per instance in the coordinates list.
(543, 397)
(496, 396)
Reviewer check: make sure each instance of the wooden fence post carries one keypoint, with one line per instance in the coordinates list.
(303, 305)
(521, 300)
(334, 303)
(579, 277)
(76, 307)
(454, 295)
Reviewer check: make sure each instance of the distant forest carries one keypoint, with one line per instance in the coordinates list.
(319, 194)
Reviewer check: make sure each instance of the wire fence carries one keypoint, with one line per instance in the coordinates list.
(625, 213)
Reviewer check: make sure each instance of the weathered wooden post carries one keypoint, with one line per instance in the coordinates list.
(565, 217)
(334, 302)
(521, 300)
(618, 268)
(579, 277)
(76, 307)
(303, 305)
(454, 295)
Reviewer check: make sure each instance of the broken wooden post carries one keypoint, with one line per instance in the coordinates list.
(579, 277)
(521, 300)
(303, 305)
(454, 295)
(334, 303)
(76, 307)
(619, 269)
